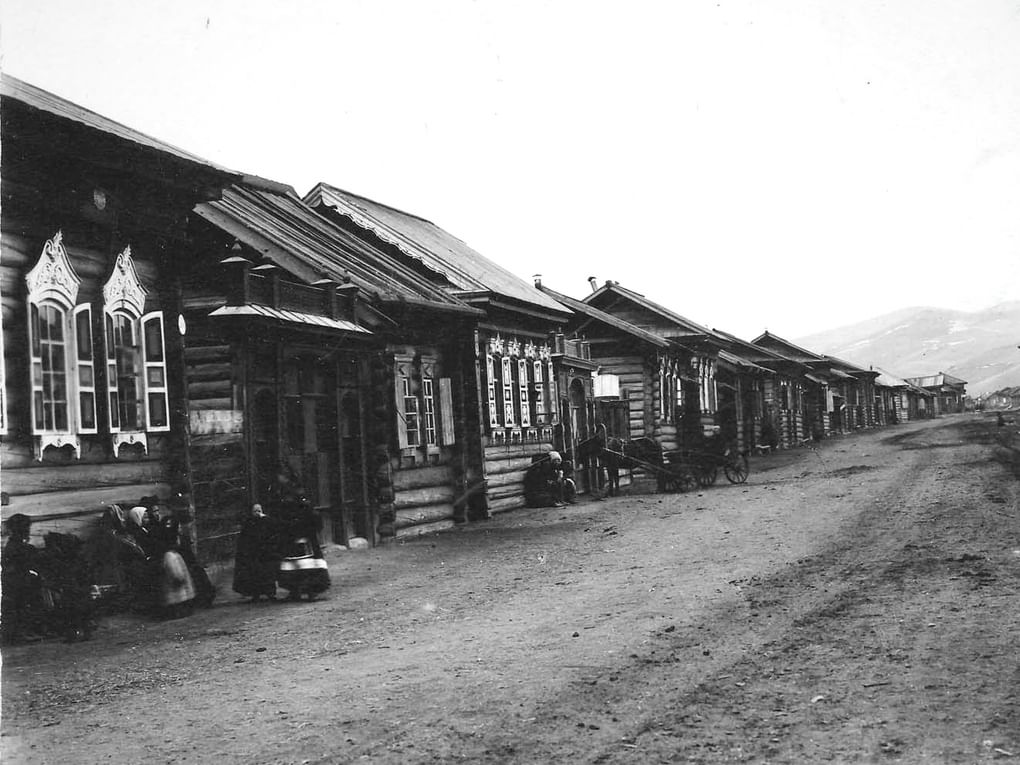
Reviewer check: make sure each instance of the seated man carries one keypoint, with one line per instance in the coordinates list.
(549, 482)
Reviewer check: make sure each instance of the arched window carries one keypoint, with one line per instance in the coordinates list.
(60, 348)
(136, 376)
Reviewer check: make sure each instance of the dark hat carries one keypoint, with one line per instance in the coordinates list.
(19, 524)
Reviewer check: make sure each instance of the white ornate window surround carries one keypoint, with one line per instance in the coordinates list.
(55, 411)
(136, 377)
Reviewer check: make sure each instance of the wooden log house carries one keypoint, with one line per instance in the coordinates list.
(95, 216)
(948, 393)
(534, 384)
(684, 395)
(345, 364)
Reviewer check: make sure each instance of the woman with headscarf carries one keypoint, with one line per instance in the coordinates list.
(257, 560)
(171, 586)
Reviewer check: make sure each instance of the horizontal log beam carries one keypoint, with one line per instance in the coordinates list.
(428, 495)
(417, 516)
(41, 477)
(409, 532)
(419, 478)
(59, 504)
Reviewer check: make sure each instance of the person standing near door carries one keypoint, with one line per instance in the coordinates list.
(302, 570)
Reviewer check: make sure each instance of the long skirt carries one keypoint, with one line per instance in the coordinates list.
(302, 571)
(176, 585)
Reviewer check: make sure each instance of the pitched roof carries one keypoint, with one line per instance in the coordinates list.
(466, 269)
(936, 380)
(286, 231)
(12, 87)
(606, 318)
(689, 327)
(790, 350)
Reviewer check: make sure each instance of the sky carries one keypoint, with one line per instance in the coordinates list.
(784, 164)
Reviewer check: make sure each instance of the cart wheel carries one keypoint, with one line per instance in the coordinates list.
(736, 469)
(707, 476)
(682, 481)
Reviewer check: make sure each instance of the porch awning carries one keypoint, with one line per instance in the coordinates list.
(290, 317)
(739, 361)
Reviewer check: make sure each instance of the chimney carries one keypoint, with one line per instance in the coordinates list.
(594, 283)
(538, 280)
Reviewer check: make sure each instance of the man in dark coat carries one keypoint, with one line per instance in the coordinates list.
(549, 482)
(22, 602)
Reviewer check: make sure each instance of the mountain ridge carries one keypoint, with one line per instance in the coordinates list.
(977, 346)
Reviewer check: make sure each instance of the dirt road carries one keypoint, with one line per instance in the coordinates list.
(851, 603)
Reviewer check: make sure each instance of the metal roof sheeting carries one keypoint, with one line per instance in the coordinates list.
(290, 234)
(740, 361)
(607, 318)
(687, 327)
(292, 317)
(464, 268)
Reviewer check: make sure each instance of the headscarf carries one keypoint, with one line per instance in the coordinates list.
(136, 515)
(553, 456)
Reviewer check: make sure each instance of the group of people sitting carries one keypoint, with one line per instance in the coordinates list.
(139, 560)
(159, 571)
(281, 548)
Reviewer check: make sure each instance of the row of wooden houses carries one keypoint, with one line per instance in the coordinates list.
(170, 326)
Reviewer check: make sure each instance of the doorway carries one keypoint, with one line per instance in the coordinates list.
(311, 420)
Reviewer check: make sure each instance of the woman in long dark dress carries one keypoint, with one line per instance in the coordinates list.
(257, 560)
(302, 570)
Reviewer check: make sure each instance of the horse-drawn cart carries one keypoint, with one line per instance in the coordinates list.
(679, 470)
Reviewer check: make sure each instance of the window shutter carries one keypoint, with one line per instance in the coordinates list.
(446, 411)
(522, 385)
(490, 369)
(113, 407)
(157, 409)
(399, 385)
(508, 392)
(86, 370)
(3, 380)
(35, 344)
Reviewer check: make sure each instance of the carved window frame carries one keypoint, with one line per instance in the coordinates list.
(124, 304)
(53, 286)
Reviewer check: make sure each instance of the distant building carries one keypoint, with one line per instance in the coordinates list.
(949, 391)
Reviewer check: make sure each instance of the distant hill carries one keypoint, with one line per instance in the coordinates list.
(980, 347)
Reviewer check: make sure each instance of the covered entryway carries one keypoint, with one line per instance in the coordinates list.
(308, 415)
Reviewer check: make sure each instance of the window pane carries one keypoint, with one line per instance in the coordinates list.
(83, 335)
(87, 403)
(111, 344)
(155, 377)
(56, 324)
(157, 410)
(114, 409)
(153, 340)
(36, 345)
(39, 422)
(86, 377)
